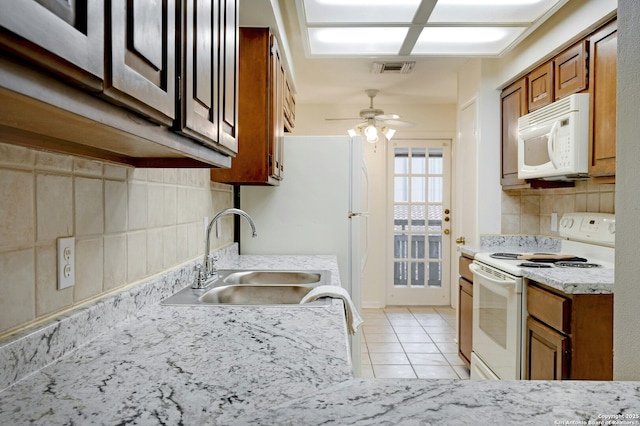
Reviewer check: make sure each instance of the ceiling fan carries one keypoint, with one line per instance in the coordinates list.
(375, 120)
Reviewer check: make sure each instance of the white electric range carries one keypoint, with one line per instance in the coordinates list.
(499, 296)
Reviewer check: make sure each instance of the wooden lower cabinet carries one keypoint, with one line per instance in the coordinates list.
(465, 310)
(547, 353)
(568, 336)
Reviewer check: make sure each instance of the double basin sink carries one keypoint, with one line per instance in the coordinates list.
(254, 287)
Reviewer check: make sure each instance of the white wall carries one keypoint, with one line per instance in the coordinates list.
(627, 291)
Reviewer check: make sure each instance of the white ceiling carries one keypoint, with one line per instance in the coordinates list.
(335, 79)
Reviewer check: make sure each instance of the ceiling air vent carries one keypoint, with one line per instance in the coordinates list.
(392, 67)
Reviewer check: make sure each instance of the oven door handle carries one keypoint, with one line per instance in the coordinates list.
(502, 283)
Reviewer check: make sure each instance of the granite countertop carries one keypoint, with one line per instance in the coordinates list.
(569, 281)
(260, 365)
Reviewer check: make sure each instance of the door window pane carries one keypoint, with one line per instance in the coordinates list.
(418, 161)
(401, 189)
(401, 161)
(435, 274)
(417, 247)
(435, 189)
(436, 164)
(400, 246)
(400, 274)
(418, 216)
(417, 274)
(418, 189)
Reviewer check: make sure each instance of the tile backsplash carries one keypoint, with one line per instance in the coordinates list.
(528, 211)
(128, 224)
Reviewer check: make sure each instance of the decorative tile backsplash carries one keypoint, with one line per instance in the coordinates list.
(128, 224)
(528, 211)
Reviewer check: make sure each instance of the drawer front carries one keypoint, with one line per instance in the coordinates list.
(549, 308)
(464, 268)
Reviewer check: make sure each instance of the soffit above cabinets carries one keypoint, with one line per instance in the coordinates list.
(482, 28)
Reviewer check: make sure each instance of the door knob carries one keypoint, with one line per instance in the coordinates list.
(460, 240)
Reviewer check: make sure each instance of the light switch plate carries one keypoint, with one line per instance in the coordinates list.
(66, 262)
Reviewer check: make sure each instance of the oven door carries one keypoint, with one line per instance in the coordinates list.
(497, 320)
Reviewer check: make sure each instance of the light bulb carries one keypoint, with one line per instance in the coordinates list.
(371, 133)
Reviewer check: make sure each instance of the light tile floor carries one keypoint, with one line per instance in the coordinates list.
(411, 342)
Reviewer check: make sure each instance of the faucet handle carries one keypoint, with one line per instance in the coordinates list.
(200, 277)
(210, 267)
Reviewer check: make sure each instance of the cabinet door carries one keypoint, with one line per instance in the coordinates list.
(277, 111)
(141, 74)
(514, 105)
(540, 83)
(603, 66)
(547, 353)
(571, 70)
(229, 44)
(465, 317)
(66, 38)
(199, 77)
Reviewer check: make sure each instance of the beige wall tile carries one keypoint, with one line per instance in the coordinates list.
(607, 202)
(155, 252)
(155, 175)
(115, 206)
(581, 202)
(89, 268)
(53, 162)
(84, 166)
(593, 202)
(530, 205)
(112, 171)
(530, 224)
(155, 206)
(169, 241)
(136, 256)
(511, 202)
(48, 298)
(115, 261)
(17, 210)
(182, 243)
(17, 284)
(510, 224)
(54, 204)
(170, 208)
(89, 206)
(16, 156)
(138, 199)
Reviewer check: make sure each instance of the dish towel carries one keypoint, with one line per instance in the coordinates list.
(353, 317)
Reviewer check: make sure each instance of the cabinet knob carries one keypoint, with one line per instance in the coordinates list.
(460, 240)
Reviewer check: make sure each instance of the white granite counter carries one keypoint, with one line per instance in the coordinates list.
(569, 281)
(252, 365)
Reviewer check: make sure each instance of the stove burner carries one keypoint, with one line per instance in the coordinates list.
(576, 265)
(535, 265)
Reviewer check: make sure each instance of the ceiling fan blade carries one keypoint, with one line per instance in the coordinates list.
(387, 117)
(398, 123)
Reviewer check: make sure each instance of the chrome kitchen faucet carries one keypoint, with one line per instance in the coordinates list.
(208, 267)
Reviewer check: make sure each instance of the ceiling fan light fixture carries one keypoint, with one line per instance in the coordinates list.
(388, 132)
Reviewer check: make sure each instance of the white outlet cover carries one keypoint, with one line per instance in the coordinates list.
(66, 256)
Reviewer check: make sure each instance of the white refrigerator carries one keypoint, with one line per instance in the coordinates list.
(318, 208)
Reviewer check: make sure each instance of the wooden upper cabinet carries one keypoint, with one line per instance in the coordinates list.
(141, 61)
(64, 37)
(228, 90)
(260, 112)
(571, 70)
(602, 84)
(540, 83)
(513, 106)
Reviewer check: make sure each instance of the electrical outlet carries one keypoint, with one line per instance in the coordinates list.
(66, 262)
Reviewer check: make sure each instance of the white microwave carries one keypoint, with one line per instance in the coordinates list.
(553, 141)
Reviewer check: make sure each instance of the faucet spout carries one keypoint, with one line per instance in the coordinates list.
(206, 264)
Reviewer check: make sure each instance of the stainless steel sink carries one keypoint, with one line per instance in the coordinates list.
(254, 287)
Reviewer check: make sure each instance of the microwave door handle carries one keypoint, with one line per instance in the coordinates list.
(551, 142)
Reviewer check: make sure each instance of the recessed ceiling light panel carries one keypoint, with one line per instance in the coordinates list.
(490, 11)
(356, 41)
(473, 41)
(359, 11)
